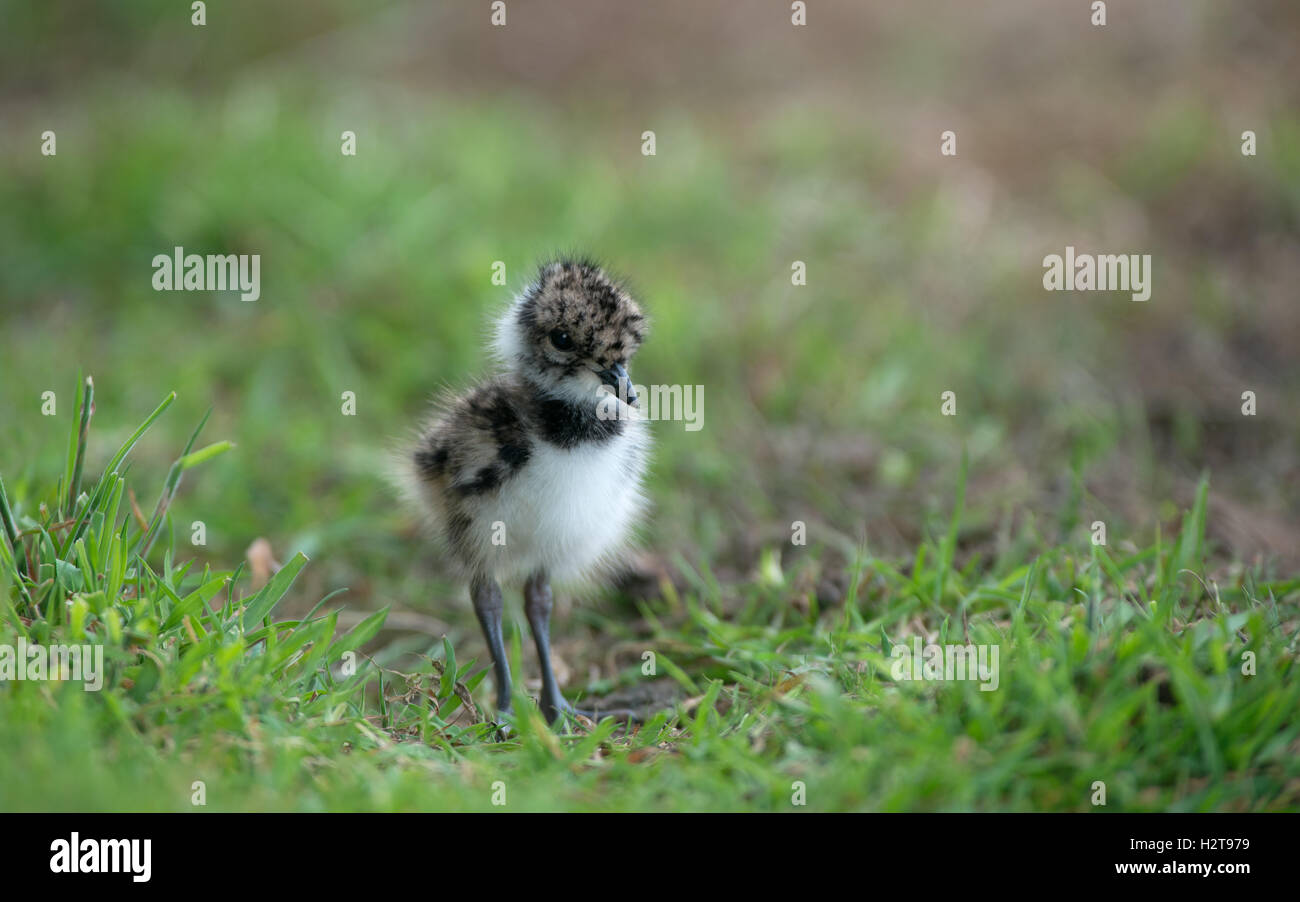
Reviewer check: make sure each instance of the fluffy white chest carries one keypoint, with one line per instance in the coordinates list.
(568, 510)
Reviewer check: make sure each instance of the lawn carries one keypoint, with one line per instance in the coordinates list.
(827, 512)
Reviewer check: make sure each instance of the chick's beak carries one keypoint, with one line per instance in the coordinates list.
(616, 378)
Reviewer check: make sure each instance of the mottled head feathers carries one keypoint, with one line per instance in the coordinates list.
(571, 323)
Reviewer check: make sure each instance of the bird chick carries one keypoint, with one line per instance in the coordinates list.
(535, 474)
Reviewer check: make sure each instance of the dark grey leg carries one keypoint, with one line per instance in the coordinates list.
(486, 595)
(537, 606)
(538, 602)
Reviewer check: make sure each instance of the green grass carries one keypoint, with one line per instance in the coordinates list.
(822, 405)
(1120, 667)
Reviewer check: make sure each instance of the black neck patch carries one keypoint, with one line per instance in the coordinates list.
(568, 425)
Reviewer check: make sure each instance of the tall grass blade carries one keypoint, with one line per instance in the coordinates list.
(77, 452)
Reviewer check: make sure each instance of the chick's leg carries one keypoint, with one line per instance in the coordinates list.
(488, 606)
(538, 602)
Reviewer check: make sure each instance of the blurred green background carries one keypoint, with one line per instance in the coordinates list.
(774, 144)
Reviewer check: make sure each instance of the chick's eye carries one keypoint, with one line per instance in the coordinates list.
(560, 338)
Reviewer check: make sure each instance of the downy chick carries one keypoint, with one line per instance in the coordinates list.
(535, 474)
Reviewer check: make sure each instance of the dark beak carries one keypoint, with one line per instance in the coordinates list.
(616, 378)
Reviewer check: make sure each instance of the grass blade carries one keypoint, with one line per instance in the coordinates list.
(261, 604)
(77, 451)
